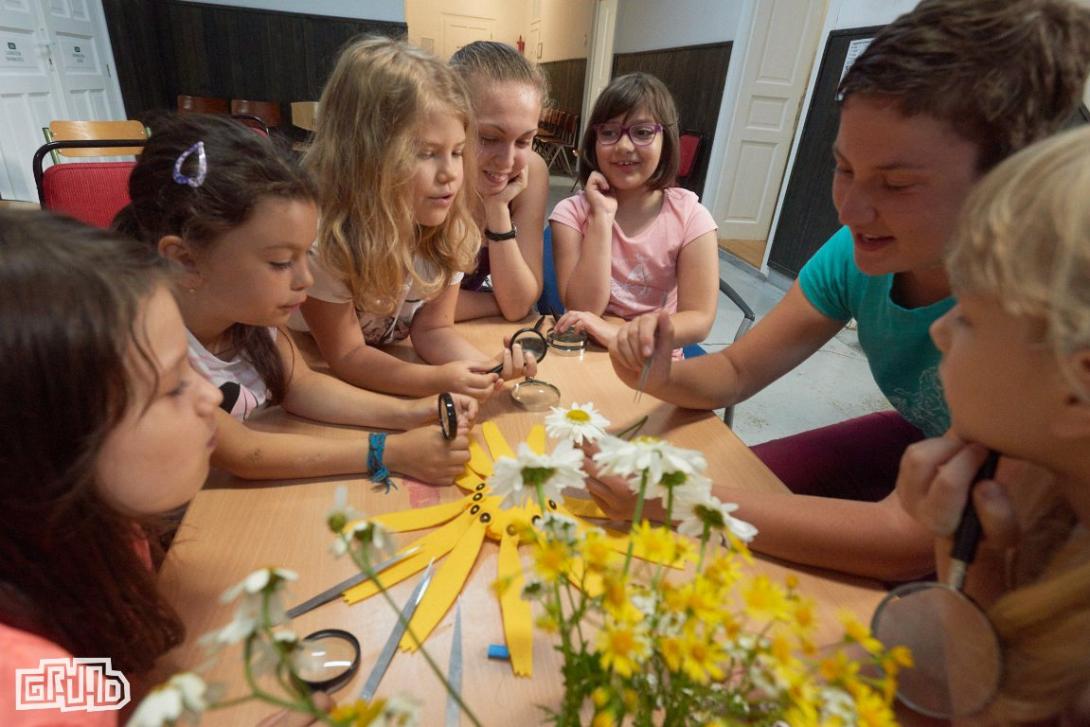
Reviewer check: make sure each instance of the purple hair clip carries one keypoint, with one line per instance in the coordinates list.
(202, 166)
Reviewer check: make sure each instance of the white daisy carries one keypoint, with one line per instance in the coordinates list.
(715, 515)
(184, 692)
(516, 479)
(369, 539)
(401, 711)
(658, 458)
(251, 613)
(579, 423)
(258, 581)
(341, 513)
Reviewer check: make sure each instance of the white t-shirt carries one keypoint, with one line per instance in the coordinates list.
(378, 330)
(244, 391)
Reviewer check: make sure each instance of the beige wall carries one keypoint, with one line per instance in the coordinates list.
(562, 27)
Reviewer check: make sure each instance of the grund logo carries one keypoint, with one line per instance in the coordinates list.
(71, 685)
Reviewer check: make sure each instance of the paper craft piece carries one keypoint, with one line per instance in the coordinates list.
(462, 527)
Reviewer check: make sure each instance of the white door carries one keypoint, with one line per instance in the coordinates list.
(782, 39)
(600, 57)
(460, 30)
(55, 63)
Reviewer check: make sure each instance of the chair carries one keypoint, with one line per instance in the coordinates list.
(267, 111)
(304, 114)
(689, 143)
(91, 192)
(563, 145)
(98, 130)
(202, 105)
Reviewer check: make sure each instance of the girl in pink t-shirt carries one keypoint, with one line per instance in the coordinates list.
(631, 243)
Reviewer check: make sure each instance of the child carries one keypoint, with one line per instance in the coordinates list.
(105, 425)
(390, 154)
(1016, 372)
(939, 97)
(631, 242)
(237, 219)
(513, 180)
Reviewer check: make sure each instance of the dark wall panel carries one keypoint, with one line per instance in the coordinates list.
(808, 217)
(566, 81)
(165, 48)
(695, 76)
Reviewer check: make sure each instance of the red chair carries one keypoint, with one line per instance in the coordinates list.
(689, 150)
(91, 192)
(202, 104)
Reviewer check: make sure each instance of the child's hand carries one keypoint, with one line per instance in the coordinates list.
(933, 486)
(425, 410)
(468, 377)
(650, 335)
(598, 197)
(594, 326)
(614, 495)
(516, 363)
(514, 188)
(426, 455)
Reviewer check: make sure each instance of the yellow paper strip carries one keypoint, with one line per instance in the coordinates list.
(536, 439)
(497, 445)
(468, 480)
(518, 621)
(446, 585)
(433, 545)
(479, 462)
(584, 508)
(425, 517)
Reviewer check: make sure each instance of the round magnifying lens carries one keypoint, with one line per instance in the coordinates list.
(569, 343)
(535, 395)
(327, 659)
(532, 342)
(448, 416)
(957, 661)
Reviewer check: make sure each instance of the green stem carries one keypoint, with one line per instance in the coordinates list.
(363, 564)
(636, 519)
(703, 547)
(633, 429)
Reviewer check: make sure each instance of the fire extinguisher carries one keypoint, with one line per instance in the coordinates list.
(521, 44)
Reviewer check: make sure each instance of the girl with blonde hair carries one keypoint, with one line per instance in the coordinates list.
(393, 156)
(1016, 372)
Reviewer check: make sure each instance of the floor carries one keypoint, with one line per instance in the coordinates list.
(832, 385)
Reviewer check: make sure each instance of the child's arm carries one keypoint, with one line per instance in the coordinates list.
(251, 454)
(787, 336)
(697, 290)
(336, 329)
(583, 261)
(328, 399)
(872, 539)
(515, 264)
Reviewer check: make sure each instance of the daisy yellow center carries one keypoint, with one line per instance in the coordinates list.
(578, 415)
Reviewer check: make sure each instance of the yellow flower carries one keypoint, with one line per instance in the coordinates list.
(631, 700)
(686, 550)
(764, 600)
(547, 624)
(701, 658)
(604, 719)
(596, 552)
(896, 658)
(804, 616)
(872, 711)
(860, 634)
(672, 652)
(358, 714)
(838, 668)
(552, 560)
(600, 697)
(622, 648)
(723, 571)
(656, 543)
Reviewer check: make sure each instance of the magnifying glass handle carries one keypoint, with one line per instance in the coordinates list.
(967, 535)
(497, 369)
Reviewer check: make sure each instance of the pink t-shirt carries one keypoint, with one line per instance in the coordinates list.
(644, 265)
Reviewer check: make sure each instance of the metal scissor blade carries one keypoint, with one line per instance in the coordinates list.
(331, 593)
(454, 671)
(388, 651)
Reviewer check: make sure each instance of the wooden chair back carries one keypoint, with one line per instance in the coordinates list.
(304, 114)
(202, 104)
(90, 130)
(267, 111)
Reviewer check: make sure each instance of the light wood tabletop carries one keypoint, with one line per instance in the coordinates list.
(233, 527)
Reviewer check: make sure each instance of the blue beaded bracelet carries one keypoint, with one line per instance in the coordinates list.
(379, 472)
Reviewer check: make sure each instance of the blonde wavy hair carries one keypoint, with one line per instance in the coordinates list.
(1024, 238)
(380, 93)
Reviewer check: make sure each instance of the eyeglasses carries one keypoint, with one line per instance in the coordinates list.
(640, 134)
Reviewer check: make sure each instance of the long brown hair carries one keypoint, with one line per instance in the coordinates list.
(364, 149)
(242, 168)
(69, 569)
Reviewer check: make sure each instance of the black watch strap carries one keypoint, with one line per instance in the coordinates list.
(501, 236)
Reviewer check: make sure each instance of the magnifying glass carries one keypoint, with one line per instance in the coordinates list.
(569, 343)
(957, 659)
(535, 394)
(532, 341)
(448, 416)
(327, 659)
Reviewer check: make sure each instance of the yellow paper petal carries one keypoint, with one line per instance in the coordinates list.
(433, 545)
(497, 445)
(446, 584)
(479, 462)
(584, 508)
(536, 439)
(468, 480)
(518, 621)
(425, 517)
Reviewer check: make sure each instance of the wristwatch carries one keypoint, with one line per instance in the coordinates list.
(501, 236)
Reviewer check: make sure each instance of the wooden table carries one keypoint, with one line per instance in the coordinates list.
(227, 533)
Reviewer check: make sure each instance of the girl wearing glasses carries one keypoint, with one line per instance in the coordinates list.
(631, 242)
